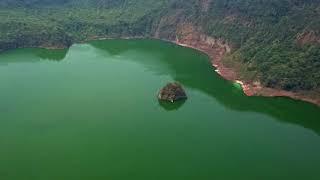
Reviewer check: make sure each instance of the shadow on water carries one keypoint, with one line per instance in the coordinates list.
(29, 55)
(192, 69)
(52, 55)
(168, 106)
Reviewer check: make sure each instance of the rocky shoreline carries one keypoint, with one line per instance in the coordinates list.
(216, 49)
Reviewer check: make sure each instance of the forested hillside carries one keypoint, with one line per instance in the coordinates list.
(276, 41)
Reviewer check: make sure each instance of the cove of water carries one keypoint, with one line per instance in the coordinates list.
(91, 113)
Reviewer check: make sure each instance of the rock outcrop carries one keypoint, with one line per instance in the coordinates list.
(172, 92)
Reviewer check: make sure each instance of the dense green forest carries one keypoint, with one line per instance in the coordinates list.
(276, 41)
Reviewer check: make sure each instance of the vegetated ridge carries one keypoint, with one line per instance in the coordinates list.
(272, 47)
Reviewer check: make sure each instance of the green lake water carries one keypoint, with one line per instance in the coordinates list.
(91, 113)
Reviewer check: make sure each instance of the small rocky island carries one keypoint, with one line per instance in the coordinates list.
(172, 92)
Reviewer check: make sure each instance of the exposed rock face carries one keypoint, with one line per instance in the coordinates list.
(205, 5)
(172, 92)
(308, 37)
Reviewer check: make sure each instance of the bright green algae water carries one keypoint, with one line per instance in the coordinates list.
(91, 113)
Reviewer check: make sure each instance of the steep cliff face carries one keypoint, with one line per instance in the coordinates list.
(191, 36)
(271, 46)
(308, 37)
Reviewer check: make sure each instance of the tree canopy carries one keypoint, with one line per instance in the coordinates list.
(277, 41)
